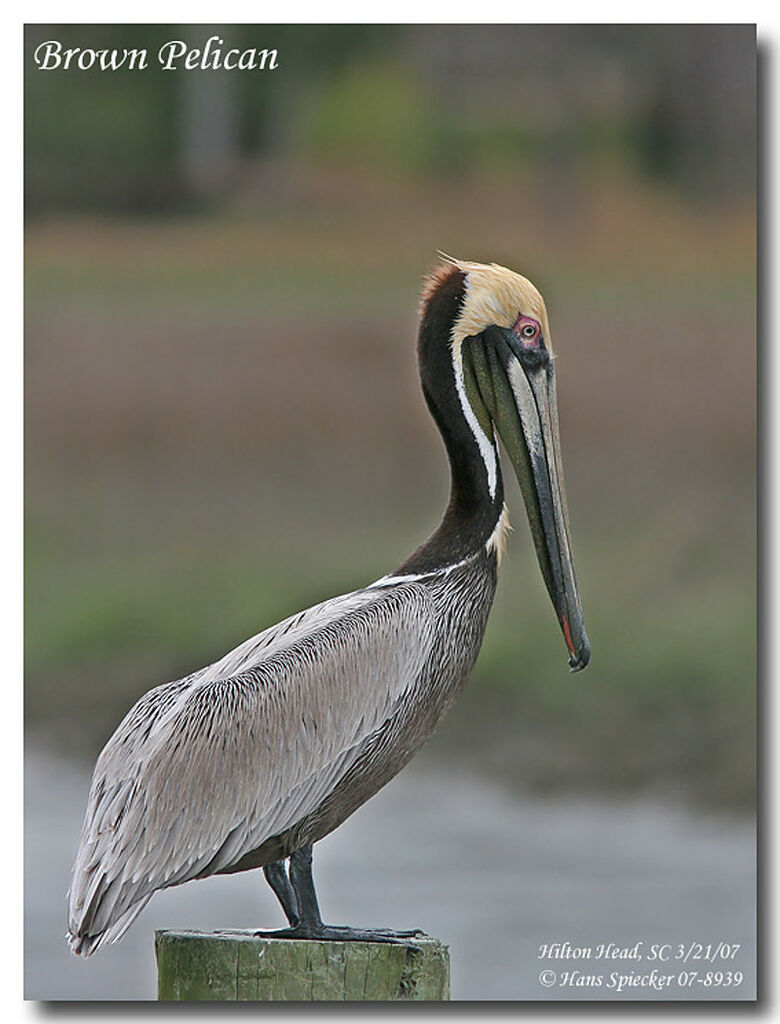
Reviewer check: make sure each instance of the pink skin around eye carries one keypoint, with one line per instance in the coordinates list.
(532, 341)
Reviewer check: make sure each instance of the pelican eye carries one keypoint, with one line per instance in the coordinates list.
(528, 331)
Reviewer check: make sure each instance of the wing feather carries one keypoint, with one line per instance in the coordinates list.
(204, 770)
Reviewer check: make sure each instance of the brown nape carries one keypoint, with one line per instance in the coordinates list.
(473, 512)
(433, 281)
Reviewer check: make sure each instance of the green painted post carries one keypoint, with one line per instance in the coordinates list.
(232, 966)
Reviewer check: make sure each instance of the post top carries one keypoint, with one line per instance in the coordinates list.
(237, 965)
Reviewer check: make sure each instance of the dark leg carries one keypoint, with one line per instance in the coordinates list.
(276, 876)
(309, 924)
(302, 882)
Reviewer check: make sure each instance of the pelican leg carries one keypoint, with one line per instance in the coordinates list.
(309, 923)
(276, 876)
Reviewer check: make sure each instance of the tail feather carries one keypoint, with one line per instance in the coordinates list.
(83, 942)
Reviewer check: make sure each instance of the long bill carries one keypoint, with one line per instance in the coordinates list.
(517, 386)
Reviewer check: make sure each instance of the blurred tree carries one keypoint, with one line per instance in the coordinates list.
(138, 140)
(209, 143)
(97, 139)
(674, 101)
(700, 126)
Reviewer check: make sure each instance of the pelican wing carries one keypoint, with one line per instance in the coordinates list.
(204, 770)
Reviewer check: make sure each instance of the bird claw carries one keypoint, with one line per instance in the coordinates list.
(277, 933)
(340, 933)
(410, 934)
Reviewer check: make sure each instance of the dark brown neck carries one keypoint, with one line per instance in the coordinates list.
(476, 490)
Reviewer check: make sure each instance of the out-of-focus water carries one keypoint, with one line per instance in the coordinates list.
(494, 876)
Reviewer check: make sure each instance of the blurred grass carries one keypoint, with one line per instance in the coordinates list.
(223, 425)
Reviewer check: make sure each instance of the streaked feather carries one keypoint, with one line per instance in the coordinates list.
(203, 770)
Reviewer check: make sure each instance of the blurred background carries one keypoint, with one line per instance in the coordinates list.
(223, 425)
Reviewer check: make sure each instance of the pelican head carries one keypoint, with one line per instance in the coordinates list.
(502, 362)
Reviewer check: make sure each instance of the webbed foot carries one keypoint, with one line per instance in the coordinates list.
(343, 933)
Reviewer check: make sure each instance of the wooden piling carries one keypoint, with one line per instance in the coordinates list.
(230, 966)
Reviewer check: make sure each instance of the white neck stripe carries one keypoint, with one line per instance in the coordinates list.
(486, 448)
(495, 541)
(389, 580)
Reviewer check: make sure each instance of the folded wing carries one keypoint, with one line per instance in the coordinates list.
(204, 770)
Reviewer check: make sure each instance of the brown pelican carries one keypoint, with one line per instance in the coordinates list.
(249, 762)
